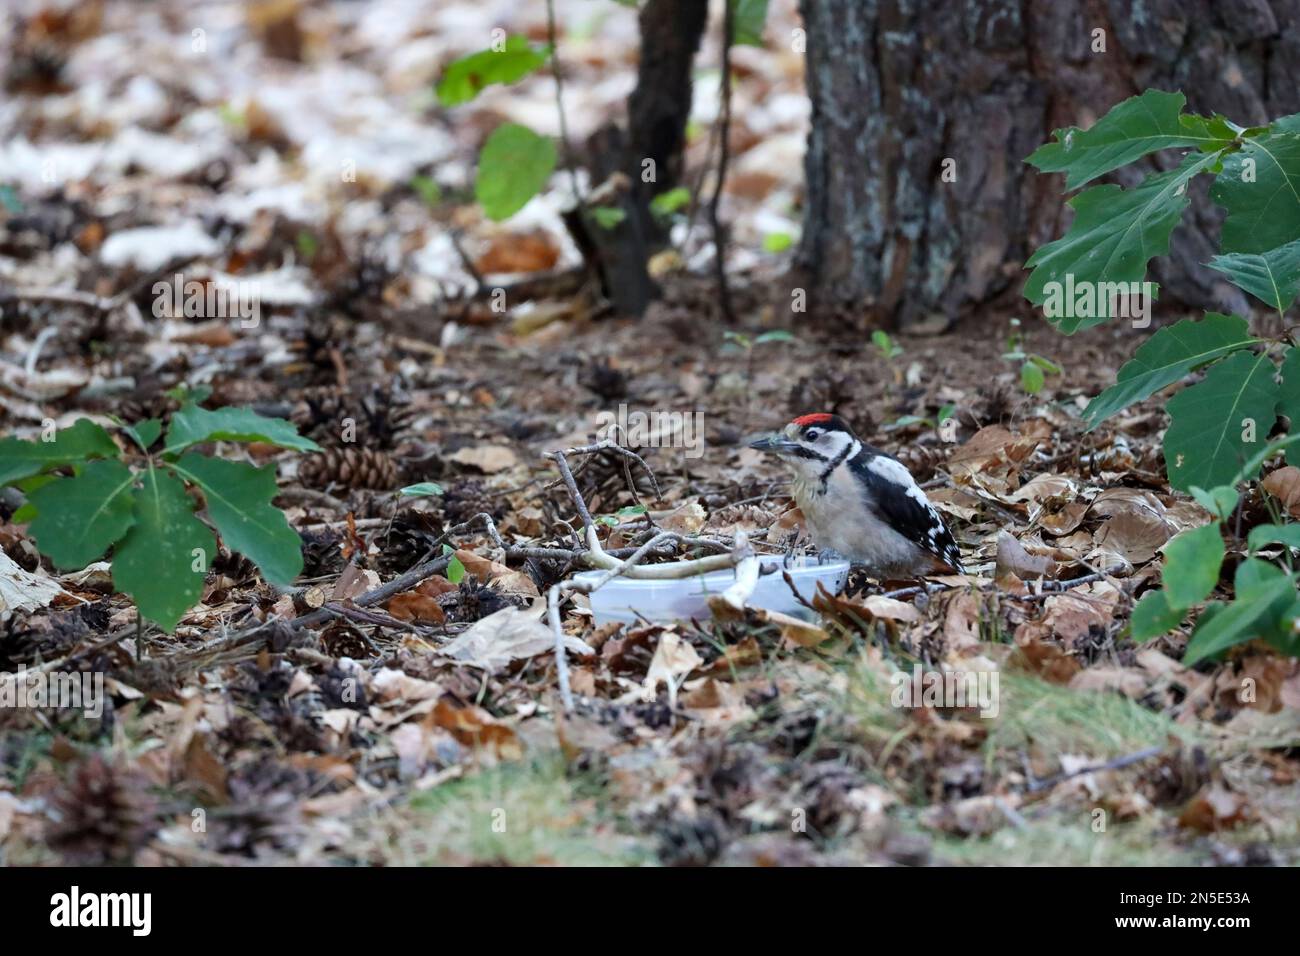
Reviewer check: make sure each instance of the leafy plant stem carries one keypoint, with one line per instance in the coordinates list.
(724, 151)
(552, 35)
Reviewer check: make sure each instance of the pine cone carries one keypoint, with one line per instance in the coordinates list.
(474, 601)
(234, 566)
(410, 536)
(376, 420)
(320, 553)
(465, 499)
(359, 290)
(265, 808)
(320, 409)
(999, 402)
(350, 468)
(104, 814)
(603, 378)
(383, 415)
(320, 339)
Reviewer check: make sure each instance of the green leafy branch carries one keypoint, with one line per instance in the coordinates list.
(1034, 367)
(85, 497)
(1117, 231)
(1248, 384)
(515, 162)
(1265, 605)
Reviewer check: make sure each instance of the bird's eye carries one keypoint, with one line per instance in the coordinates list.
(812, 434)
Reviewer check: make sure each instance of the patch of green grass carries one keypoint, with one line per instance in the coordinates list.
(1052, 719)
(1033, 715)
(524, 813)
(22, 755)
(867, 698)
(1068, 841)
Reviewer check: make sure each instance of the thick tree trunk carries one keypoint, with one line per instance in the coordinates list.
(900, 88)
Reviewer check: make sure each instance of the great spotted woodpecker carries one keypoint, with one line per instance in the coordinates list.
(861, 502)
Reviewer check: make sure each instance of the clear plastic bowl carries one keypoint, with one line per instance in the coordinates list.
(628, 599)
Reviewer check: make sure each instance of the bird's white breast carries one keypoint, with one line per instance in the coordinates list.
(842, 520)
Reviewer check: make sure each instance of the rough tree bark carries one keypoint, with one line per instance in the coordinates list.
(898, 86)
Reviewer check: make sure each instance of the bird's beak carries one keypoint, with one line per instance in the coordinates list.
(774, 444)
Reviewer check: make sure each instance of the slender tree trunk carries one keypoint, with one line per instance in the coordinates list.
(904, 92)
(648, 153)
(661, 103)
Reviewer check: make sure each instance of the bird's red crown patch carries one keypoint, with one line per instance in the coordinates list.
(815, 419)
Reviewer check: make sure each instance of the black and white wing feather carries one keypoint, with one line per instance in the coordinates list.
(899, 501)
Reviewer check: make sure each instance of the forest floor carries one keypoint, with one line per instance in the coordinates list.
(428, 728)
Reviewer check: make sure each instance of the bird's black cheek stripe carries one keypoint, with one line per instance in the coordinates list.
(830, 469)
(808, 453)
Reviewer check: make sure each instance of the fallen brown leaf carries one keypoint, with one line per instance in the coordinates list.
(475, 727)
(519, 252)
(488, 459)
(1284, 485)
(509, 635)
(1213, 809)
(414, 606)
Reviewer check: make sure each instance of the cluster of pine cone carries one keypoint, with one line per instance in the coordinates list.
(358, 435)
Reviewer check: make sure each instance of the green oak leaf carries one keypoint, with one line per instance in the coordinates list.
(1031, 378)
(1285, 632)
(514, 165)
(163, 559)
(1192, 562)
(183, 393)
(465, 78)
(1263, 594)
(27, 512)
(1166, 357)
(777, 242)
(1210, 421)
(747, 19)
(1152, 616)
(421, 489)
(1220, 502)
(670, 201)
(144, 433)
(608, 217)
(83, 440)
(1272, 277)
(1132, 129)
(1259, 186)
(79, 518)
(1115, 233)
(1261, 536)
(192, 425)
(1253, 576)
(239, 497)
